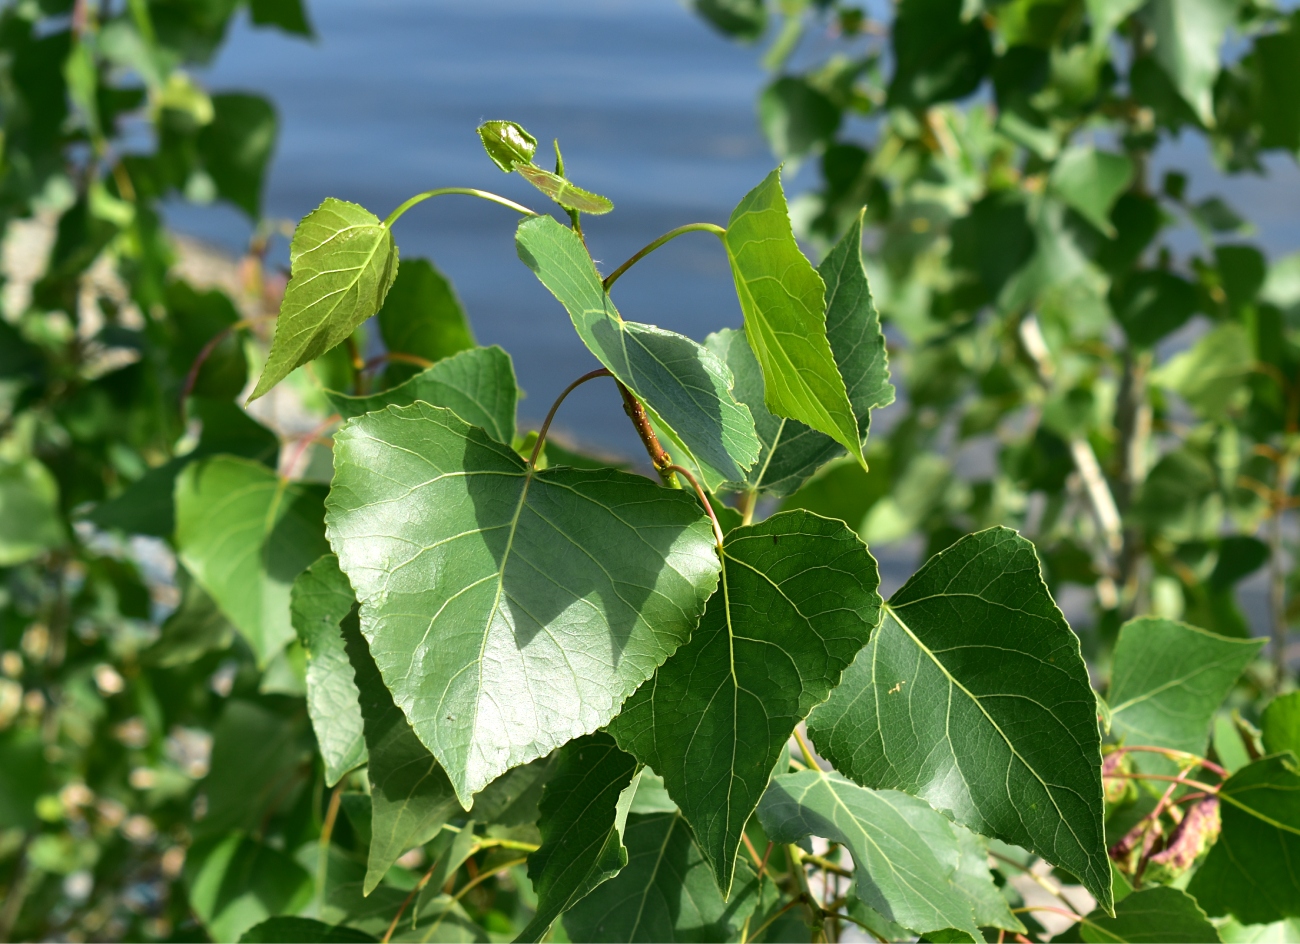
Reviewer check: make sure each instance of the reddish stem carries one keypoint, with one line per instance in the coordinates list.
(546, 423)
(1171, 754)
(662, 462)
(704, 500)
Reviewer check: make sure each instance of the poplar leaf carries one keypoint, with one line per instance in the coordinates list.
(246, 534)
(509, 610)
(568, 195)
(477, 385)
(796, 601)
(682, 384)
(507, 143)
(1150, 915)
(342, 261)
(422, 316)
(1188, 35)
(973, 695)
(783, 301)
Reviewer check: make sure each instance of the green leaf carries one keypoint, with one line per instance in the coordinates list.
(939, 53)
(973, 880)
(196, 319)
(477, 577)
(257, 759)
(507, 143)
(1152, 304)
(1275, 64)
(741, 19)
(1151, 915)
(1250, 872)
(1107, 15)
(342, 261)
(289, 930)
(422, 316)
(29, 511)
(195, 628)
(568, 195)
(783, 300)
(665, 892)
(411, 798)
(320, 600)
(235, 883)
(246, 534)
(1210, 375)
(1281, 724)
(583, 810)
(1090, 181)
(796, 117)
(237, 146)
(1169, 679)
(1188, 36)
(22, 777)
(512, 799)
(973, 695)
(796, 603)
(791, 452)
(288, 15)
(477, 385)
(148, 505)
(905, 854)
(681, 383)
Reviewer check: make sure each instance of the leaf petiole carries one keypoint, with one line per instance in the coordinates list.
(463, 191)
(704, 500)
(546, 423)
(665, 238)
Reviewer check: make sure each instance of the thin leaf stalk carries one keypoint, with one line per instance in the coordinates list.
(667, 237)
(660, 459)
(461, 191)
(704, 500)
(546, 423)
(326, 833)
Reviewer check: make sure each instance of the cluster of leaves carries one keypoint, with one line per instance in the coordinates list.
(478, 686)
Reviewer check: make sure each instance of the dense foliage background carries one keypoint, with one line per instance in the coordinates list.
(1068, 364)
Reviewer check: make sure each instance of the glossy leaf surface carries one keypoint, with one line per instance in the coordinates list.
(973, 695)
(342, 262)
(796, 602)
(566, 588)
(783, 300)
(477, 385)
(681, 382)
(246, 534)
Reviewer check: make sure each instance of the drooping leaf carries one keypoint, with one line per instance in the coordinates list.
(566, 194)
(237, 145)
(905, 854)
(783, 300)
(940, 53)
(1188, 34)
(507, 143)
(796, 602)
(411, 798)
(681, 383)
(1155, 914)
(1090, 181)
(791, 452)
(236, 883)
(320, 600)
(566, 588)
(665, 892)
(422, 316)
(1280, 724)
(246, 534)
(583, 811)
(1250, 872)
(29, 511)
(342, 262)
(477, 385)
(973, 695)
(290, 930)
(1169, 679)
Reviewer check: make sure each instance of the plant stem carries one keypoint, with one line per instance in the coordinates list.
(1214, 791)
(665, 238)
(826, 864)
(1174, 754)
(808, 757)
(463, 191)
(662, 462)
(475, 881)
(1277, 572)
(704, 500)
(546, 424)
(746, 504)
(389, 357)
(326, 833)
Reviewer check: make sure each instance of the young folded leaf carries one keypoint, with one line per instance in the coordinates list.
(479, 576)
(682, 384)
(796, 602)
(973, 695)
(342, 261)
(583, 811)
(783, 300)
(320, 600)
(512, 148)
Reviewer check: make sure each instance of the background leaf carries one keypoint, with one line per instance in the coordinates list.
(1150, 915)
(237, 146)
(29, 511)
(1188, 35)
(476, 576)
(422, 316)
(287, 930)
(1280, 724)
(1090, 181)
(236, 883)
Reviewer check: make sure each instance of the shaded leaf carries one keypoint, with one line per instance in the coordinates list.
(682, 384)
(973, 695)
(783, 299)
(237, 146)
(246, 534)
(1150, 915)
(1250, 872)
(796, 117)
(29, 511)
(583, 811)
(477, 385)
(1090, 181)
(565, 588)
(342, 261)
(288, 15)
(741, 19)
(1169, 678)
(289, 930)
(194, 628)
(1188, 35)
(422, 316)
(939, 54)
(1280, 724)
(235, 883)
(320, 600)
(665, 892)
(258, 756)
(796, 602)
(905, 854)
(1152, 304)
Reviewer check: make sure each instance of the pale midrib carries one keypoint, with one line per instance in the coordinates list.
(776, 441)
(1172, 683)
(952, 681)
(654, 873)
